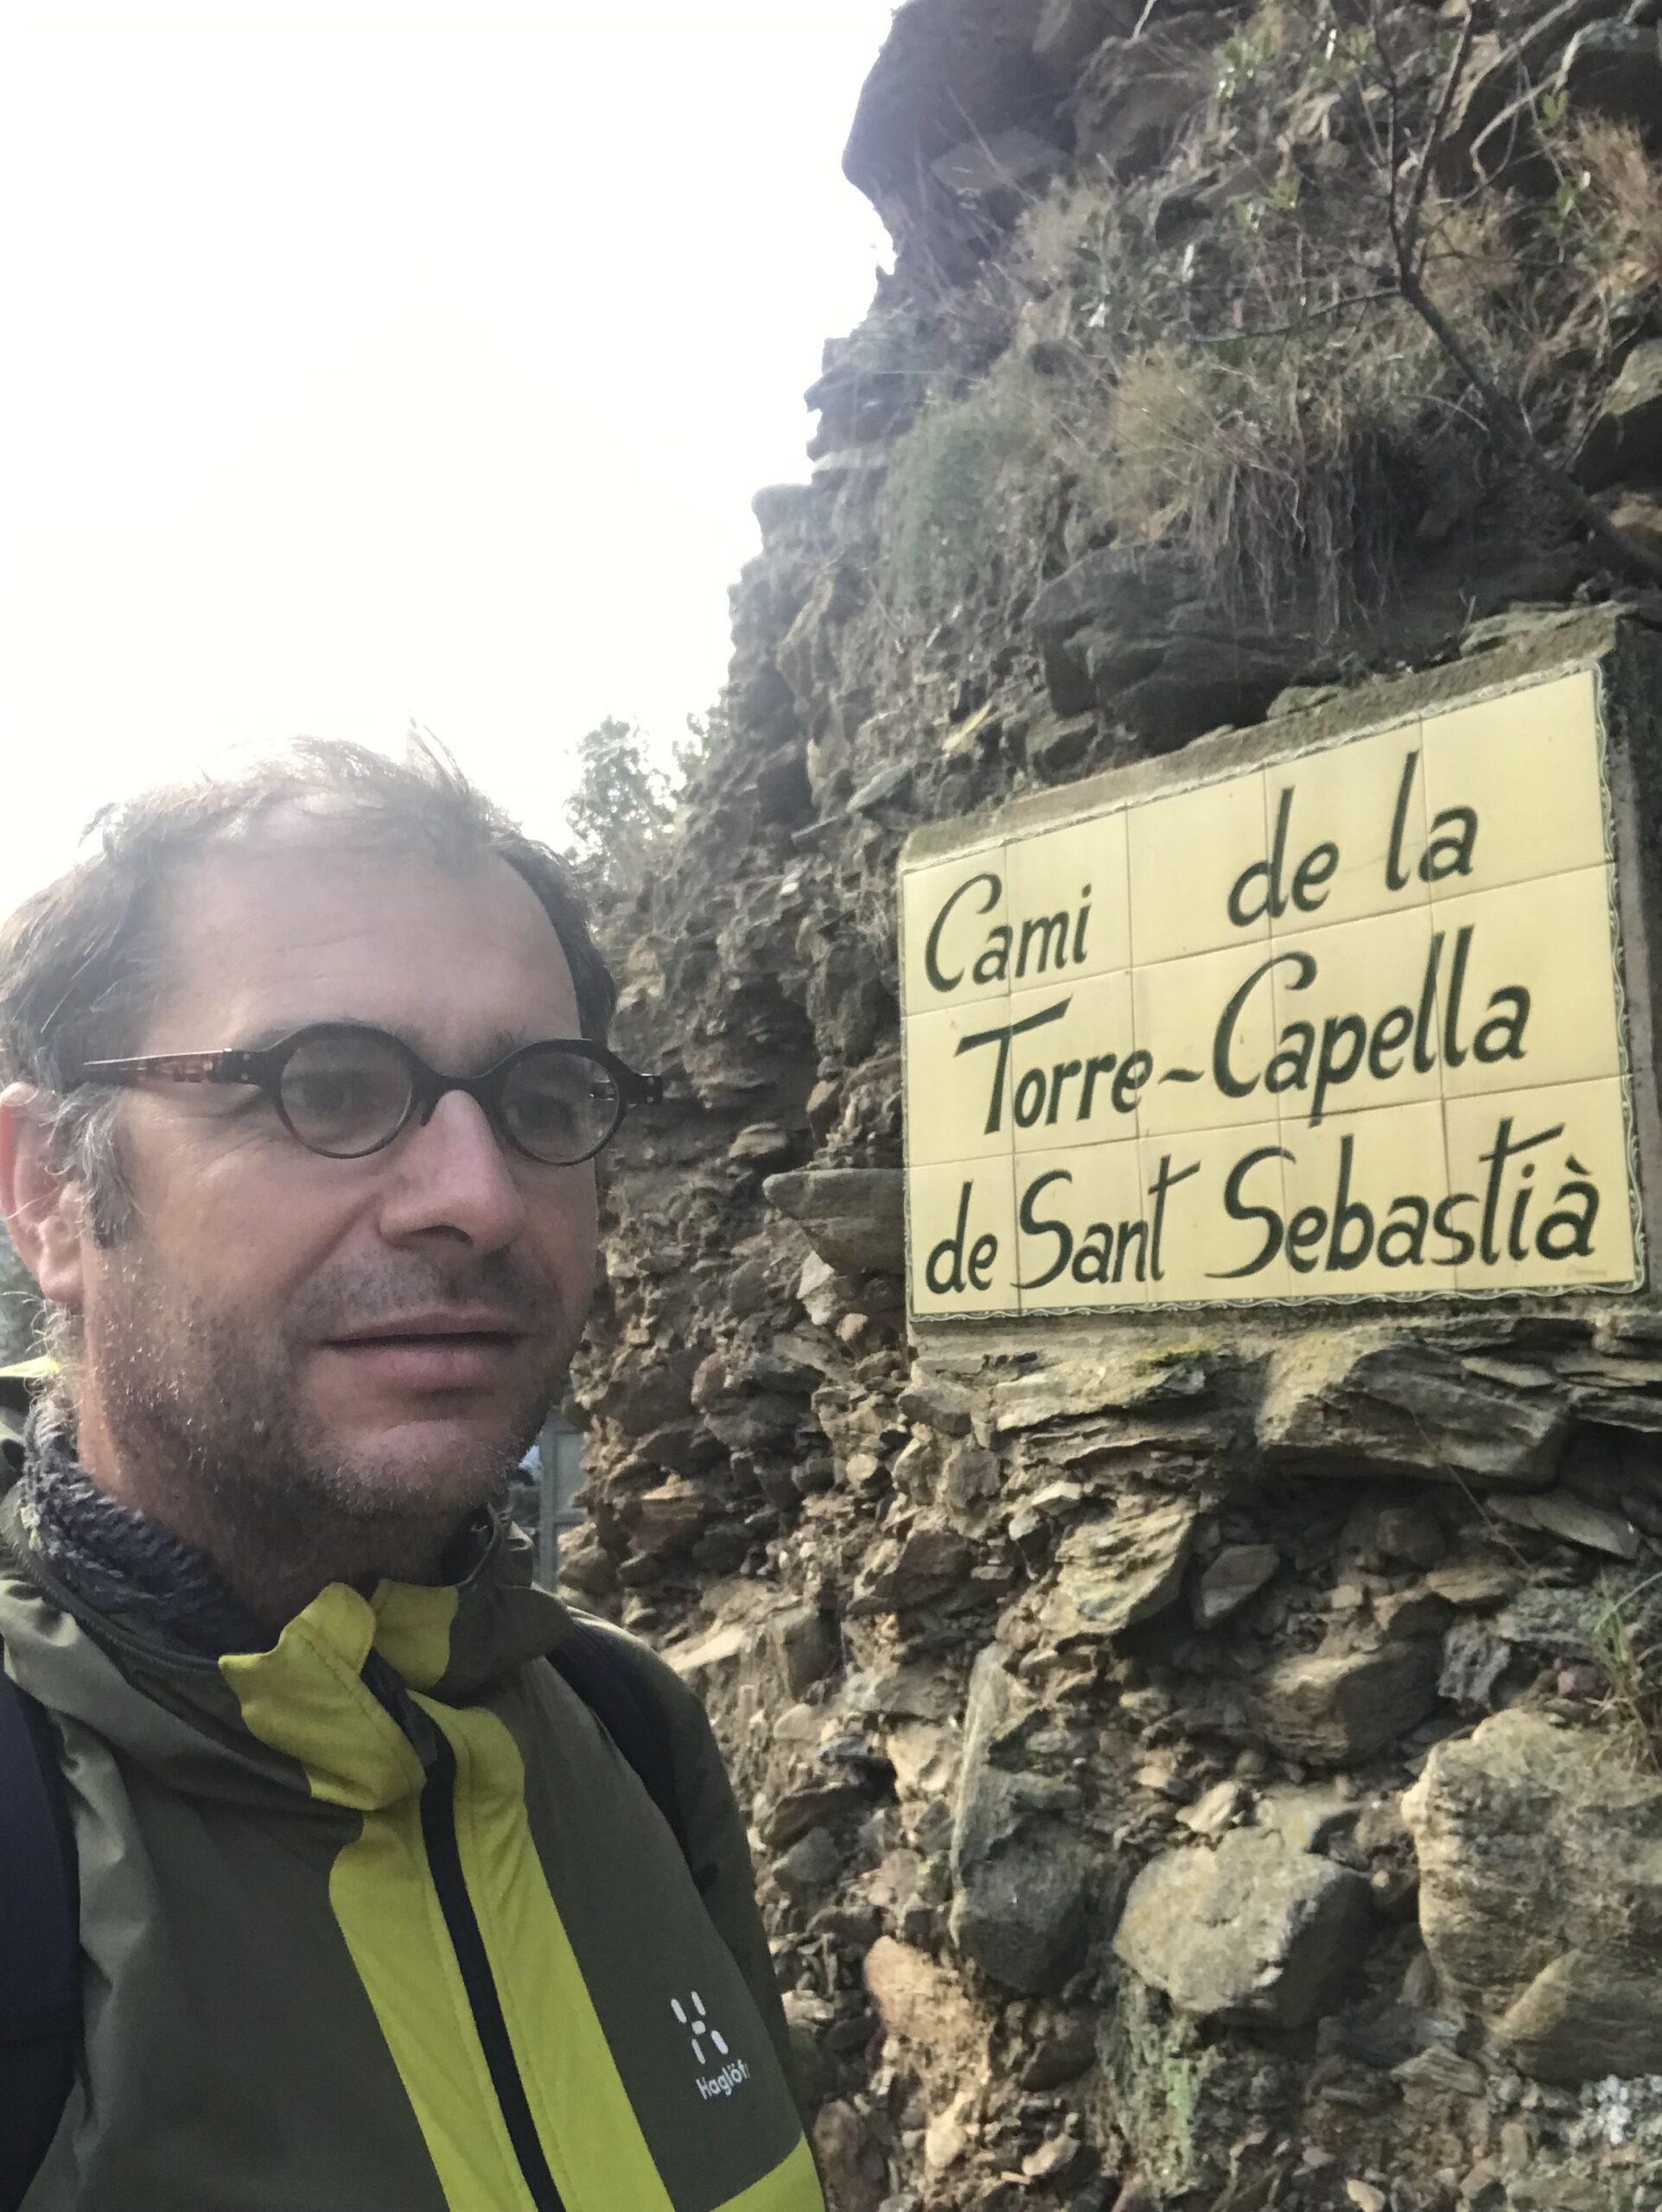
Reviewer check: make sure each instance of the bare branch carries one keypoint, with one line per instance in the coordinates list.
(1510, 423)
(1302, 322)
(1428, 151)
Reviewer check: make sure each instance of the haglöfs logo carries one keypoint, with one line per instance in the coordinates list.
(700, 2028)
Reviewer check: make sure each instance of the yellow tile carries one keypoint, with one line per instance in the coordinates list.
(1526, 765)
(1073, 1075)
(1180, 1007)
(1186, 854)
(953, 1094)
(1080, 1229)
(1350, 1031)
(1362, 1195)
(1551, 940)
(1347, 830)
(953, 913)
(961, 1233)
(1070, 902)
(1560, 1184)
(1198, 1243)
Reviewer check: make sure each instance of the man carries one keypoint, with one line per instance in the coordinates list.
(306, 1077)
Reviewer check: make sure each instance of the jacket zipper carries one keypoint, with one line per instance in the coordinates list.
(438, 1836)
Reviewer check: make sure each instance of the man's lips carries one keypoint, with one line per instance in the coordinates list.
(433, 1351)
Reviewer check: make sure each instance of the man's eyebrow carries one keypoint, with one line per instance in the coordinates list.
(497, 1046)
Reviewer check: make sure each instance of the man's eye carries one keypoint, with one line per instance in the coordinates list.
(331, 1094)
(545, 1114)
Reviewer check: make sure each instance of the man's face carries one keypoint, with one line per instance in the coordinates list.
(285, 1326)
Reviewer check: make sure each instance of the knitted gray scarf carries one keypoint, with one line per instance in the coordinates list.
(121, 1564)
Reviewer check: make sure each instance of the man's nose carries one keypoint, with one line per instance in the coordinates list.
(451, 1178)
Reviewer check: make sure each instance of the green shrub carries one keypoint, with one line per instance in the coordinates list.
(956, 475)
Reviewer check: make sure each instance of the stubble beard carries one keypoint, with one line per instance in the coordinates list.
(214, 1443)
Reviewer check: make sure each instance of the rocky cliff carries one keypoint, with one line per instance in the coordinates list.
(1191, 1763)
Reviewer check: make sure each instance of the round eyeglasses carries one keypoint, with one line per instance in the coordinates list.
(344, 1090)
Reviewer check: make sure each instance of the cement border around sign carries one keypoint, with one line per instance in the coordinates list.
(1625, 660)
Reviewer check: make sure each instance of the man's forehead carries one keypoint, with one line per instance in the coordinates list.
(264, 931)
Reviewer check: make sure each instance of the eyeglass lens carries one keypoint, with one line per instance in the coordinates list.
(345, 1095)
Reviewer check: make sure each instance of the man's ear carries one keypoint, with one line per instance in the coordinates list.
(42, 1208)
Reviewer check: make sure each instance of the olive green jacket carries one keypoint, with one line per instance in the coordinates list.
(379, 1920)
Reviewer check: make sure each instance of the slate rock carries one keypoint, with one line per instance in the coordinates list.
(1625, 439)
(1121, 1567)
(1407, 1534)
(1060, 2058)
(1540, 1857)
(937, 1403)
(1331, 1707)
(854, 1218)
(816, 1804)
(1020, 1877)
(668, 1519)
(849, 2159)
(1356, 1404)
(1615, 70)
(949, 70)
(813, 1863)
(1561, 1513)
(1069, 29)
(929, 1562)
(1002, 173)
(1237, 1574)
(1130, 588)
(1474, 1662)
(1252, 1931)
(764, 1144)
(918, 2000)
(645, 1394)
(888, 785)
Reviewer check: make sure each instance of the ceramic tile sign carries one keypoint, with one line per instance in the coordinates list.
(1347, 1024)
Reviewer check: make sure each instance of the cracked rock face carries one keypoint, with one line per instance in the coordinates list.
(1119, 1568)
(1020, 1875)
(1249, 1930)
(1071, 1674)
(1540, 1868)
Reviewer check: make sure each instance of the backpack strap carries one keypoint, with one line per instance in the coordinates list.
(40, 1966)
(599, 1668)
(17, 1385)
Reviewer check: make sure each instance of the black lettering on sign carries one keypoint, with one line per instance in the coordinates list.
(1035, 1224)
(1239, 1207)
(1451, 838)
(1499, 1157)
(1258, 890)
(1402, 1243)
(1224, 1074)
(944, 1271)
(931, 967)
(1001, 1037)
(1165, 1182)
(1566, 1232)
(1050, 932)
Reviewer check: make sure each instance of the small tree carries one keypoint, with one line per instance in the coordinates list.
(620, 809)
(20, 1304)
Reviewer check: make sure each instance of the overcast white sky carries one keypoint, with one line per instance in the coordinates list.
(394, 358)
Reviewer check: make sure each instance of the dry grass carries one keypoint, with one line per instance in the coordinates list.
(968, 463)
(1627, 1648)
(1223, 362)
(1613, 201)
(1299, 464)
